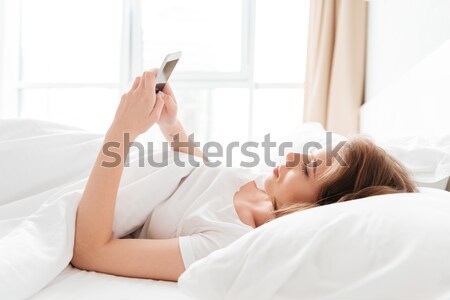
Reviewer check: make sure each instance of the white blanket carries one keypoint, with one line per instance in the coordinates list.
(44, 168)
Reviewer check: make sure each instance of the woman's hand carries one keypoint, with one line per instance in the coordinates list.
(171, 127)
(139, 109)
(168, 117)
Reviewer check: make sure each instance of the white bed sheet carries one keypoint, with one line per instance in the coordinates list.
(73, 283)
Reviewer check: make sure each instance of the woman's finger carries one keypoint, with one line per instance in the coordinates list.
(157, 109)
(160, 97)
(135, 84)
(150, 74)
(170, 103)
(168, 90)
(142, 82)
(150, 81)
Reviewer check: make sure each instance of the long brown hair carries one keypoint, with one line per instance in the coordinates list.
(370, 171)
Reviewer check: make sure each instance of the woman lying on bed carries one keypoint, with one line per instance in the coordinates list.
(303, 182)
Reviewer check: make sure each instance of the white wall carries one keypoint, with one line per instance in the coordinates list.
(2, 47)
(407, 81)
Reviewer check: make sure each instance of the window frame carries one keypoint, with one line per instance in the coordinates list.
(131, 63)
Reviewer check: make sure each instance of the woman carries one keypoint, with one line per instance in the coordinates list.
(303, 182)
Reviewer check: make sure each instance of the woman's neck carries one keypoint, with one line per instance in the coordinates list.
(260, 205)
(262, 211)
(253, 205)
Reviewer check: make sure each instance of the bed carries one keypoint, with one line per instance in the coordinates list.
(72, 283)
(397, 246)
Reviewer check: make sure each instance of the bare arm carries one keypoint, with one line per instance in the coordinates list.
(182, 140)
(94, 247)
(171, 127)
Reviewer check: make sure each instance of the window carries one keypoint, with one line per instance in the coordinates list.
(241, 73)
(69, 63)
(208, 32)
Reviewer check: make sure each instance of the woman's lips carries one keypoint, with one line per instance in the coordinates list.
(276, 172)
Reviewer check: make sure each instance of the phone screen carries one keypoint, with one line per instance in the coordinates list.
(166, 69)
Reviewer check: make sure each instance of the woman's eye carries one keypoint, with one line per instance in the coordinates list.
(305, 170)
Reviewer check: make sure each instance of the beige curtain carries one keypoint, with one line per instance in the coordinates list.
(334, 82)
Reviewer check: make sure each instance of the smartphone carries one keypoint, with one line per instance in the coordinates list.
(166, 69)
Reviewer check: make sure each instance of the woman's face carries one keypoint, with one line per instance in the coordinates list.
(296, 181)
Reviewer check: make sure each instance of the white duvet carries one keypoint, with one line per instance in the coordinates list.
(44, 168)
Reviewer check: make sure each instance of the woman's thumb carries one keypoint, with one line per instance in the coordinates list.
(157, 109)
(162, 95)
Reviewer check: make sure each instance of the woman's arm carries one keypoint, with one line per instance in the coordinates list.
(171, 127)
(178, 131)
(94, 247)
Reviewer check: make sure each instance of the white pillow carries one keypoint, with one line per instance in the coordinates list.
(382, 247)
(427, 158)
